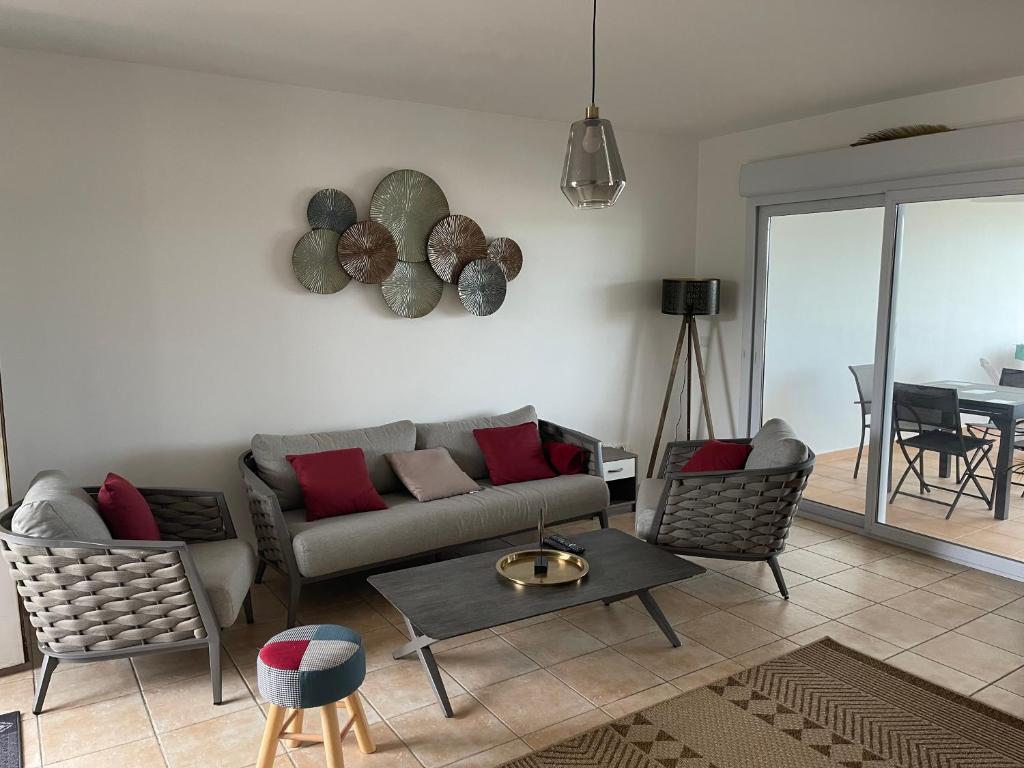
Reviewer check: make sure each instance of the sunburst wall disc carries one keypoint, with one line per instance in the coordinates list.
(506, 253)
(315, 262)
(409, 204)
(412, 289)
(331, 209)
(367, 252)
(454, 242)
(482, 287)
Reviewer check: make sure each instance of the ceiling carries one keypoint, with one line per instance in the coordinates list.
(698, 67)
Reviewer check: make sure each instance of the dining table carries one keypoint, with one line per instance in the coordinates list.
(1005, 407)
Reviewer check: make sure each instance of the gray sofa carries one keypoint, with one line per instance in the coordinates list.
(312, 551)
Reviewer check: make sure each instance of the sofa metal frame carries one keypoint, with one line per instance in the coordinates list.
(275, 542)
(158, 605)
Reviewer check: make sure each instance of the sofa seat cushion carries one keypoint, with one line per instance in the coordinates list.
(409, 527)
(55, 508)
(457, 437)
(227, 569)
(647, 499)
(271, 451)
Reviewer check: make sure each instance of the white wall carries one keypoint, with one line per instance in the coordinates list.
(721, 212)
(150, 322)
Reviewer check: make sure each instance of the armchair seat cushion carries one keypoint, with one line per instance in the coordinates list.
(227, 569)
(647, 500)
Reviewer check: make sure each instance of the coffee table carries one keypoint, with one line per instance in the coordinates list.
(466, 594)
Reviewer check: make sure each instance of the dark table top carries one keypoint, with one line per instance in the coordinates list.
(466, 594)
(983, 394)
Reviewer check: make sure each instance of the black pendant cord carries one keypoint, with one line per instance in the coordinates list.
(593, 56)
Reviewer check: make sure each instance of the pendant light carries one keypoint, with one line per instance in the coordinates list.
(593, 175)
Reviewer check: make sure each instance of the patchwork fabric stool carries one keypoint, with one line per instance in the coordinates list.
(319, 665)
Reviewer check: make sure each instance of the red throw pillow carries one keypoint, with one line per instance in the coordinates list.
(567, 459)
(335, 483)
(717, 456)
(126, 511)
(513, 454)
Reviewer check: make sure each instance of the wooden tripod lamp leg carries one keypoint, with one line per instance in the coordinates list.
(695, 341)
(668, 398)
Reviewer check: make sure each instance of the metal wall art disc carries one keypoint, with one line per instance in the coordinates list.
(505, 252)
(453, 243)
(315, 262)
(482, 287)
(412, 290)
(367, 252)
(409, 204)
(331, 209)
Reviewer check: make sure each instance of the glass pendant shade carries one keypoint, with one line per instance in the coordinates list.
(593, 175)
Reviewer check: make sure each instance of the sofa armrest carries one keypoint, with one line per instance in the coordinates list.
(595, 451)
(273, 539)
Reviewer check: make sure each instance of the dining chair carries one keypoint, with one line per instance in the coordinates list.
(933, 415)
(1009, 377)
(863, 377)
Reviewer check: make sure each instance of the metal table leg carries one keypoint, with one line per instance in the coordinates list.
(659, 618)
(420, 645)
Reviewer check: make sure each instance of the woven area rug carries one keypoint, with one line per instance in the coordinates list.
(821, 705)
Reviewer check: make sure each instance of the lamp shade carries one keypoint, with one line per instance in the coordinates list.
(592, 176)
(689, 297)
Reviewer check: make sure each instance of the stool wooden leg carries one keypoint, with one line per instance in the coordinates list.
(295, 726)
(354, 705)
(332, 736)
(268, 747)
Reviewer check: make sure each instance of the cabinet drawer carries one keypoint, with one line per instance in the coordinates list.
(617, 470)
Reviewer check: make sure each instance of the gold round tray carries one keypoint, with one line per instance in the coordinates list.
(563, 567)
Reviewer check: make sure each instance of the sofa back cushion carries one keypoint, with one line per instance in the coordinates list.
(457, 437)
(270, 452)
(55, 508)
(775, 445)
(431, 474)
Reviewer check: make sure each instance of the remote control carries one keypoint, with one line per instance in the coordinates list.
(556, 541)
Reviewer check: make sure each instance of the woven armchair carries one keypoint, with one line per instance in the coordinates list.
(738, 515)
(98, 600)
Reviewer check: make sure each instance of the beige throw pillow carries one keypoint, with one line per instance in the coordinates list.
(431, 474)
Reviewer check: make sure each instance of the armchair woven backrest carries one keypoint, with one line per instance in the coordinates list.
(863, 377)
(744, 513)
(268, 522)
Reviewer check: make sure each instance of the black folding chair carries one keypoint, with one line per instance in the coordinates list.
(933, 414)
(1009, 377)
(863, 376)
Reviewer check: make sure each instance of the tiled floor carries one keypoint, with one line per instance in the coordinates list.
(522, 687)
(972, 523)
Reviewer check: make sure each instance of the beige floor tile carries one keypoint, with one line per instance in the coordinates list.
(707, 675)
(677, 605)
(641, 700)
(379, 644)
(936, 673)
(848, 636)
(994, 580)
(566, 729)
(727, 634)
(655, 653)
(137, 754)
(813, 525)
(31, 756)
(1014, 610)
(998, 631)
(495, 756)
(504, 629)
(936, 609)
(532, 701)
(1001, 699)
(804, 537)
(970, 656)
(485, 662)
(825, 599)
(73, 685)
(460, 640)
(719, 590)
(231, 741)
(906, 571)
(184, 702)
(403, 687)
(551, 642)
(933, 562)
(68, 733)
(604, 676)
(783, 617)
(765, 653)
(892, 626)
(437, 740)
(163, 668)
(810, 564)
(17, 692)
(853, 552)
(1013, 682)
(266, 606)
(973, 592)
(715, 563)
(868, 585)
(360, 616)
(612, 623)
(758, 574)
(390, 752)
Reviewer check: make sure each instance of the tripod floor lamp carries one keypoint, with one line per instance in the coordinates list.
(687, 299)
